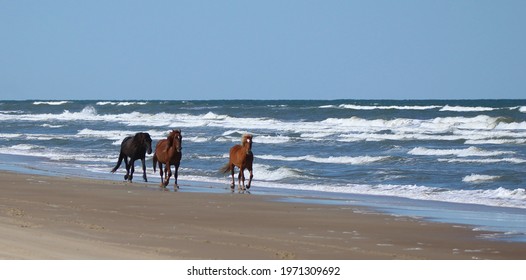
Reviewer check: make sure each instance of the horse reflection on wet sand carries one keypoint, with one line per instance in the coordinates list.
(134, 147)
(168, 152)
(242, 157)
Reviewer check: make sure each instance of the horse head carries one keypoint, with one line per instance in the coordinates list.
(175, 140)
(143, 138)
(246, 142)
(148, 143)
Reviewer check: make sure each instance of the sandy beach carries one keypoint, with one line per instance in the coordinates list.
(71, 218)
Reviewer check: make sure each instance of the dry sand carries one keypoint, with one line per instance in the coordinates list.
(70, 218)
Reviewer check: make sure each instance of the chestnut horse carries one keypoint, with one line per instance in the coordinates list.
(136, 148)
(168, 151)
(242, 157)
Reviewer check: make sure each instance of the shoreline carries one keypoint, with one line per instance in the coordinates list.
(60, 217)
(505, 223)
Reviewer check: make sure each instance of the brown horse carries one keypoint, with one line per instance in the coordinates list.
(242, 157)
(168, 151)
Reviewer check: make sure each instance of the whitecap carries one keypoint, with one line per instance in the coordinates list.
(484, 161)
(495, 141)
(51, 125)
(332, 159)
(118, 135)
(363, 107)
(265, 139)
(26, 147)
(52, 103)
(466, 109)
(121, 103)
(197, 139)
(477, 178)
(467, 152)
(10, 135)
(104, 134)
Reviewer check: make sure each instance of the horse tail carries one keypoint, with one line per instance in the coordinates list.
(154, 162)
(227, 167)
(121, 157)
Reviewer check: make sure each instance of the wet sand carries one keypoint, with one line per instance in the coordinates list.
(71, 218)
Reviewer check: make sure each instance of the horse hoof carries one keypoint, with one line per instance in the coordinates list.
(125, 177)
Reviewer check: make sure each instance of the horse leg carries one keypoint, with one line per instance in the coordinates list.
(241, 179)
(233, 184)
(154, 161)
(127, 163)
(176, 186)
(132, 169)
(144, 169)
(168, 174)
(161, 172)
(250, 178)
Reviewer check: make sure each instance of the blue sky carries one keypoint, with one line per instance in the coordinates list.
(262, 49)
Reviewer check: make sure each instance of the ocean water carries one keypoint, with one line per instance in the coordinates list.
(434, 158)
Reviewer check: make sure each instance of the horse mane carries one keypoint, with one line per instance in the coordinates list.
(137, 137)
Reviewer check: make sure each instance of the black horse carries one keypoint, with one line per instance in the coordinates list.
(134, 147)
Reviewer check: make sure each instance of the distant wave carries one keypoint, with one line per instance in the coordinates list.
(365, 107)
(53, 103)
(495, 141)
(476, 130)
(272, 139)
(467, 152)
(477, 178)
(51, 125)
(121, 103)
(467, 109)
(445, 108)
(10, 135)
(336, 160)
(104, 134)
(485, 160)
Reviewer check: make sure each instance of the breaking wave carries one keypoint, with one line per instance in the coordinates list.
(477, 178)
(467, 152)
(335, 160)
(52, 103)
